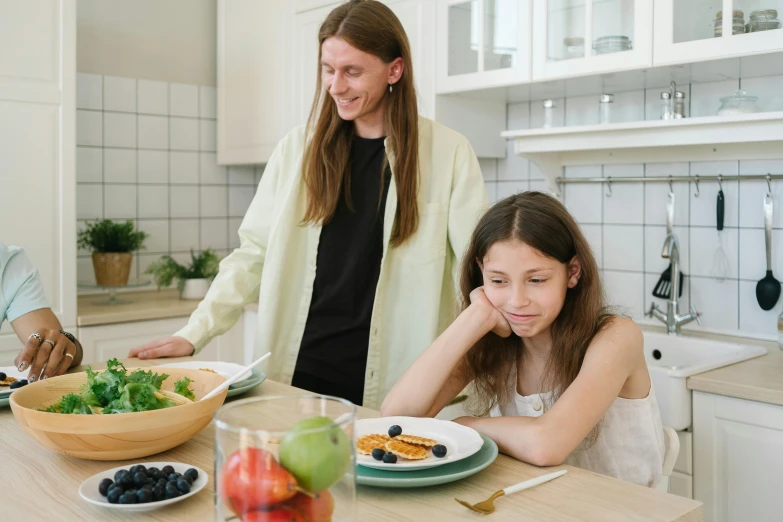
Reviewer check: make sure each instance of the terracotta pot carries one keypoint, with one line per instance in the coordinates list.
(111, 268)
(195, 288)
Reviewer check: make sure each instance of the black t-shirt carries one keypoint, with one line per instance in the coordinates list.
(333, 353)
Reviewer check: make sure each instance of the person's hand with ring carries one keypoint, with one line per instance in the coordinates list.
(48, 353)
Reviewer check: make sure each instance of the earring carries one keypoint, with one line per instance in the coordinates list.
(390, 87)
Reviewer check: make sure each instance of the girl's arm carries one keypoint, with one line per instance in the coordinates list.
(436, 376)
(611, 359)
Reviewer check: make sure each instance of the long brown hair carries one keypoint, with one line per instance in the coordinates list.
(543, 223)
(373, 28)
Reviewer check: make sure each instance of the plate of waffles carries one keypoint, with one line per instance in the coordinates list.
(415, 443)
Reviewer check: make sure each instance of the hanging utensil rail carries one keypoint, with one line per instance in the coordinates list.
(609, 180)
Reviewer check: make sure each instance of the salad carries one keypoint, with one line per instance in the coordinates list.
(118, 391)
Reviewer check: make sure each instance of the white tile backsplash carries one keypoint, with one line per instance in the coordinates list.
(705, 97)
(119, 94)
(624, 290)
(153, 166)
(183, 133)
(89, 91)
(625, 205)
(89, 164)
(584, 201)
(119, 130)
(147, 158)
(153, 98)
(594, 236)
(753, 254)
(119, 165)
(491, 189)
(623, 247)
(489, 168)
(768, 89)
(153, 132)
(716, 301)
(704, 245)
(183, 100)
(509, 188)
(582, 110)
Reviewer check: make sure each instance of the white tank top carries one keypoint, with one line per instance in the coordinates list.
(630, 442)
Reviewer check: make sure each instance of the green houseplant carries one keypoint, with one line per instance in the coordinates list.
(112, 246)
(192, 280)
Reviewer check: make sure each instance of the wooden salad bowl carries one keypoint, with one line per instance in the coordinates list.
(118, 436)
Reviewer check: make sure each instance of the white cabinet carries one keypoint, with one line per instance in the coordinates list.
(695, 30)
(582, 37)
(253, 73)
(738, 458)
(105, 342)
(416, 17)
(38, 147)
(482, 43)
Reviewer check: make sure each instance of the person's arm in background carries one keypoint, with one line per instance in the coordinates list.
(238, 280)
(27, 309)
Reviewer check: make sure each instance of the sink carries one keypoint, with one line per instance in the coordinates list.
(672, 359)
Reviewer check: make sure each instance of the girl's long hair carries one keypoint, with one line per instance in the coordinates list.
(543, 223)
(373, 28)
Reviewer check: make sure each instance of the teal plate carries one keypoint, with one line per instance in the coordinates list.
(5, 400)
(430, 476)
(256, 378)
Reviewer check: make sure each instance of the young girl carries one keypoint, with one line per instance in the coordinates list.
(535, 339)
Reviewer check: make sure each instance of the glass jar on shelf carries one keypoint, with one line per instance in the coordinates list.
(739, 102)
(666, 106)
(605, 108)
(678, 106)
(549, 114)
(574, 47)
(763, 20)
(737, 23)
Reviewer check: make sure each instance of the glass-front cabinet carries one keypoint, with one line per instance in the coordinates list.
(482, 43)
(579, 37)
(692, 30)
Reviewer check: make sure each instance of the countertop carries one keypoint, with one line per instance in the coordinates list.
(47, 487)
(142, 306)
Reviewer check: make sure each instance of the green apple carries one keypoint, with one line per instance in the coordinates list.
(317, 452)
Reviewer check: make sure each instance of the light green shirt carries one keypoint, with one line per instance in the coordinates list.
(275, 264)
(21, 291)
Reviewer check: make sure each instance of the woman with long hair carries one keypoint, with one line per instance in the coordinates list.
(351, 244)
(564, 378)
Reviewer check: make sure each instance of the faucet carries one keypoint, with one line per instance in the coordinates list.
(672, 319)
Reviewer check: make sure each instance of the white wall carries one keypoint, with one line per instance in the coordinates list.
(166, 40)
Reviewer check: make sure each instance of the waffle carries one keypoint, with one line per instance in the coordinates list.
(8, 381)
(416, 441)
(406, 451)
(366, 443)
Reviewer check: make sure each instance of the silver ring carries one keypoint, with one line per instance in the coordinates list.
(36, 335)
(69, 355)
(48, 341)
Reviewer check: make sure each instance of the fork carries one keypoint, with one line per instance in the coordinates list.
(488, 506)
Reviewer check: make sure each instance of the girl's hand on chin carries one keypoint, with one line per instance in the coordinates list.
(499, 324)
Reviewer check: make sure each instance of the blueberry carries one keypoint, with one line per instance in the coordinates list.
(18, 384)
(148, 487)
(187, 479)
(144, 496)
(174, 476)
(139, 479)
(161, 482)
(103, 487)
(119, 474)
(2, 376)
(114, 495)
(158, 493)
(394, 431)
(192, 473)
(167, 470)
(183, 486)
(128, 498)
(133, 469)
(116, 487)
(171, 487)
(172, 493)
(126, 480)
(132, 491)
(151, 472)
(390, 458)
(439, 450)
(378, 453)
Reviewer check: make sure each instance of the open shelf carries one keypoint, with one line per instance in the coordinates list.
(709, 138)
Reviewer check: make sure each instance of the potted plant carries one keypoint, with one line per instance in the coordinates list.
(112, 245)
(192, 281)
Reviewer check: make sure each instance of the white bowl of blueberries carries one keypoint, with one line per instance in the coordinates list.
(143, 486)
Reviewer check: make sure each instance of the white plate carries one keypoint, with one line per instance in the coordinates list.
(89, 488)
(11, 371)
(226, 369)
(460, 441)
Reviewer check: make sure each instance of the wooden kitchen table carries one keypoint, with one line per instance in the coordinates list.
(39, 484)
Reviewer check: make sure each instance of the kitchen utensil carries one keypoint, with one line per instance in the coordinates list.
(239, 375)
(89, 488)
(460, 441)
(663, 287)
(768, 288)
(118, 436)
(488, 506)
(720, 261)
(739, 102)
(430, 476)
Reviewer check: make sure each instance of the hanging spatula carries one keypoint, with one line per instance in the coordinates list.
(663, 287)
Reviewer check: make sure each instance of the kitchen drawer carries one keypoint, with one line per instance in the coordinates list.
(681, 485)
(684, 463)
